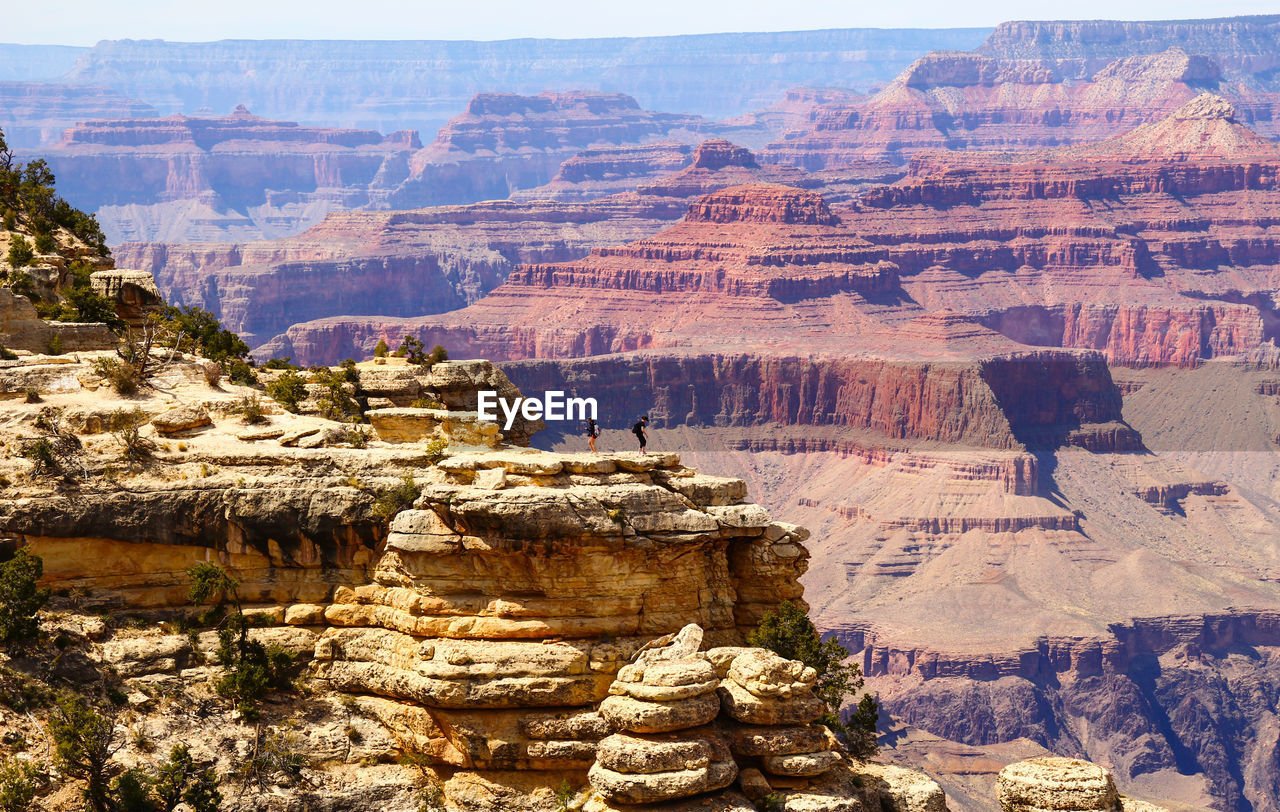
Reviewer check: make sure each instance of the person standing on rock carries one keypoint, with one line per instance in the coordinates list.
(593, 431)
(638, 431)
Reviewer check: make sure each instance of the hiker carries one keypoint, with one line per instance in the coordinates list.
(638, 431)
(593, 431)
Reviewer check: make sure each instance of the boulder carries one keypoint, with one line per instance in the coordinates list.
(181, 419)
(1055, 783)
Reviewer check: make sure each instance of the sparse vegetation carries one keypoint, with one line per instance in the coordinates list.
(55, 452)
(122, 377)
(126, 427)
(289, 390)
(277, 758)
(415, 352)
(249, 669)
(789, 632)
(773, 802)
(27, 196)
(336, 402)
(181, 781)
(84, 742)
(390, 501)
(353, 435)
(250, 410)
(19, 782)
(427, 403)
(280, 363)
(381, 350)
(564, 796)
(20, 253)
(7, 355)
(21, 599)
(435, 450)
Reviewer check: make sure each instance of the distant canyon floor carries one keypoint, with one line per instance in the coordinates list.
(886, 582)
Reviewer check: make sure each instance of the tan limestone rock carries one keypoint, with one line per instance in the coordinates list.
(640, 716)
(1053, 782)
(635, 753)
(181, 419)
(761, 740)
(801, 764)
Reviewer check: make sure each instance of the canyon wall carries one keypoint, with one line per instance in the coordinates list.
(419, 85)
(34, 114)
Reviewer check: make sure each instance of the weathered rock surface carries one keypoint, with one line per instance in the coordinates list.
(34, 114)
(232, 177)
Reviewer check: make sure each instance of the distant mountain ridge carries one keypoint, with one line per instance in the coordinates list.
(392, 85)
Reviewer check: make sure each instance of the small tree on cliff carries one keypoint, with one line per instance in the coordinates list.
(382, 350)
(85, 740)
(20, 598)
(789, 632)
(249, 669)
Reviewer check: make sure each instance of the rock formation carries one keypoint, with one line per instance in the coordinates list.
(504, 142)
(420, 84)
(433, 260)
(1068, 784)
(239, 175)
(974, 101)
(34, 114)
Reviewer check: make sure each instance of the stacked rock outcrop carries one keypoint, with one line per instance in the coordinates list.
(660, 707)
(771, 700)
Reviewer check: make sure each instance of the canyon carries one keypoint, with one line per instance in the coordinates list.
(419, 85)
(971, 381)
(406, 263)
(1002, 333)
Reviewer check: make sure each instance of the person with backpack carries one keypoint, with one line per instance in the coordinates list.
(593, 431)
(638, 431)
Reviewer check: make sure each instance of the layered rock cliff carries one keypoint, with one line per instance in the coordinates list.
(34, 114)
(504, 142)
(404, 264)
(184, 177)
(484, 633)
(977, 101)
(419, 85)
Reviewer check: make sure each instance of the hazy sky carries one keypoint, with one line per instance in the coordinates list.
(84, 22)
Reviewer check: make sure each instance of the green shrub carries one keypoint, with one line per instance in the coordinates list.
(21, 599)
(249, 669)
(181, 780)
(21, 253)
(84, 741)
(126, 427)
(19, 781)
(789, 632)
(335, 402)
(122, 376)
(7, 355)
(45, 243)
(381, 350)
(250, 410)
(288, 390)
(209, 338)
(280, 363)
(10, 220)
(390, 501)
(242, 372)
(83, 305)
(56, 452)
